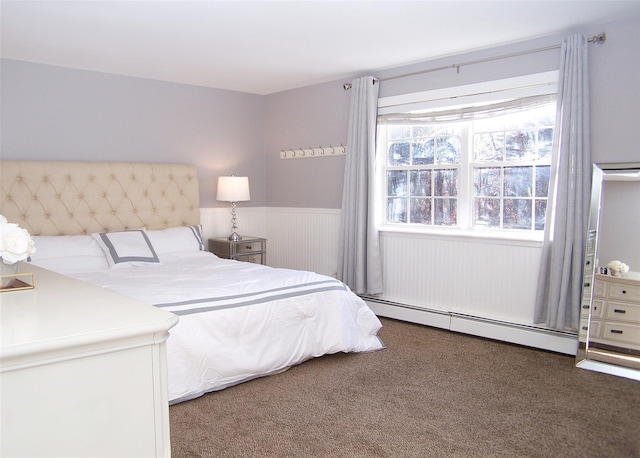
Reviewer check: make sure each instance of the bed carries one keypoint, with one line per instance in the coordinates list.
(134, 228)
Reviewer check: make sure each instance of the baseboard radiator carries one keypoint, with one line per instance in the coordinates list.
(531, 336)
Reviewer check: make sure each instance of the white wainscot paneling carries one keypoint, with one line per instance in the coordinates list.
(216, 222)
(490, 278)
(297, 238)
(474, 285)
(304, 239)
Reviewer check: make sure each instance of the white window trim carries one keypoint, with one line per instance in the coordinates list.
(502, 237)
(508, 88)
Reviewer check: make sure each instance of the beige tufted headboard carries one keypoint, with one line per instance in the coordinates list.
(68, 198)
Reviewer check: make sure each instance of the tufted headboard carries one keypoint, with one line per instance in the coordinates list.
(69, 198)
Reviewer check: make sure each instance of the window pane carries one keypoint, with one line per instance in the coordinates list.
(448, 149)
(541, 209)
(420, 211)
(397, 210)
(488, 125)
(396, 183)
(486, 181)
(422, 153)
(488, 146)
(486, 212)
(446, 212)
(545, 142)
(422, 131)
(398, 154)
(518, 181)
(395, 132)
(517, 214)
(420, 182)
(542, 181)
(446, 183)
(520, 145)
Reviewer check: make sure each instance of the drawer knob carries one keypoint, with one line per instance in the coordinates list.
(624, 291)
(616, 331)
(619, 311)
(585, 306)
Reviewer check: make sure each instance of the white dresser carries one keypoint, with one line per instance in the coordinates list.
(82, 372)
(615, 314)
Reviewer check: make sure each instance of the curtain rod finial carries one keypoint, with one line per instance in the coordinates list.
(346, 86)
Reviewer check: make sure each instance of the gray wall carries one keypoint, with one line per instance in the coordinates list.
(311, 117)
(55, 113)
(614, 72)
(318, 115)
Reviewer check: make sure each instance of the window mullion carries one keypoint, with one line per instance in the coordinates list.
(465, 182)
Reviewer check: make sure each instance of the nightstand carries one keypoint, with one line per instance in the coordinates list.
(249, 249)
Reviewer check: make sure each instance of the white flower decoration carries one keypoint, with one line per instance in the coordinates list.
(16, 244)
(617, 268)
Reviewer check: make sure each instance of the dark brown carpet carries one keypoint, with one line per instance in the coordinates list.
(430, 393)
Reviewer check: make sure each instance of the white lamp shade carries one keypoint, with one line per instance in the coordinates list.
(233, 189)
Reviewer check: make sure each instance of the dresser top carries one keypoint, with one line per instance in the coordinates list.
(62, 313)
(630, 278)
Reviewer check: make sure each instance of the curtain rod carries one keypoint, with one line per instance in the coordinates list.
(599, 39)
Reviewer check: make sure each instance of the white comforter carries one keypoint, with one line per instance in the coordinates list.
(239, 320)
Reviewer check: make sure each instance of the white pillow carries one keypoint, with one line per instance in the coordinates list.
(127, 248)
(177, 239)
(68, 253)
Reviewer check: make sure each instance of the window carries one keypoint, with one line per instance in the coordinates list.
(510, 166)
(482, 167)
(422, 174)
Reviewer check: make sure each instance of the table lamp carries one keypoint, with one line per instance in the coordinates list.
(233, 189)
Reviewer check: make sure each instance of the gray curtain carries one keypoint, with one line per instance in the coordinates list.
(560, 277)
(359, 264)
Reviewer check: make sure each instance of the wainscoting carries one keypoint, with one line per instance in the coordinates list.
(470, 284)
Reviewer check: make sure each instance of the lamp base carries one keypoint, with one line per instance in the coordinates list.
(235, 237)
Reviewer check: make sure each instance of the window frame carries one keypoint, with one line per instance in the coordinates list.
(536, 84)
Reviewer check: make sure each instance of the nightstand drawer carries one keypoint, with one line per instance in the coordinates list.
(248, 247)
(255, 258)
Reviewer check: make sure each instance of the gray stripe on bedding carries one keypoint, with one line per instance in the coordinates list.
(243, 300)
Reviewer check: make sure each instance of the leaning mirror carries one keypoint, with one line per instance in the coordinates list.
(609, 335)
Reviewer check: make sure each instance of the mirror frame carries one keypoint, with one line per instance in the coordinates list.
(613, 364)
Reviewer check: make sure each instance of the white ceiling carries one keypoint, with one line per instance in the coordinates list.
(264, 47)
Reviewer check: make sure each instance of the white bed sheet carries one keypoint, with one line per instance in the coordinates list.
(239, 321)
